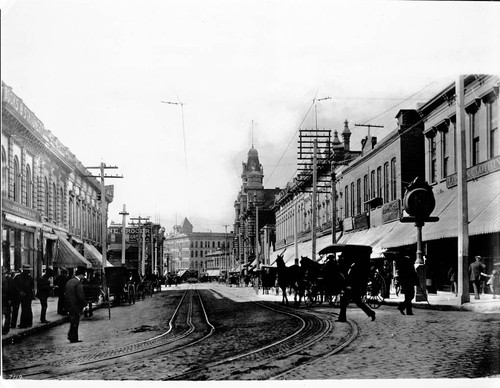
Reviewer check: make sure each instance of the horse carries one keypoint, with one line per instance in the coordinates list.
(290, 277)
(324, 280)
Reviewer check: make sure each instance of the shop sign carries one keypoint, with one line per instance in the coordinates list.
(361, 221)
(476, 171)
(348, 224)
(20, 210)
(391, 211)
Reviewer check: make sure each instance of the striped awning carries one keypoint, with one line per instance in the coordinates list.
(67, 256)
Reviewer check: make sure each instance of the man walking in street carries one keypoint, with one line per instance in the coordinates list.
(408, 279)
(475, 270)
(75, 301)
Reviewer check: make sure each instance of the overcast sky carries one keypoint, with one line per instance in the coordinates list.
(95, 73)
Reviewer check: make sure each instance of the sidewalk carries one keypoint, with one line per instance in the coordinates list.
(440, 301)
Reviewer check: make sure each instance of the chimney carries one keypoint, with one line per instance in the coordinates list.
(406, 118)
(374, 141)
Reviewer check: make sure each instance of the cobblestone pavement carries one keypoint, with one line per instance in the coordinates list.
(429, 344)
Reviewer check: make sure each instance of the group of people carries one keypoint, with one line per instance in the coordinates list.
(18, 292)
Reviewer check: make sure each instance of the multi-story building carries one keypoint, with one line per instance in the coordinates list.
(482, 158)
(254, 215)
(185, 249)
(50, 207)
(371, 187)
(294, 204)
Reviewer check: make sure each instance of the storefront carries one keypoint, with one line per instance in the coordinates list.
(21, 243)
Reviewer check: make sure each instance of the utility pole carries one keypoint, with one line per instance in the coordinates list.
(334, 204)
(369, 126)
(104, 221)
(141, 259)
(462, 197)
(225, 247)
(124, 225)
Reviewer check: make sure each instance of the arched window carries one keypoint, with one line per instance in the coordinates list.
(54, 203)
(17, 180)
(46, 199)
(5, 175)
(29, 187)
(71, 211)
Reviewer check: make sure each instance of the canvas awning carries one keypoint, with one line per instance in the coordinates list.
(94, 256)
(213, 272)
(483, 200)
(67, 256)
(371, 237)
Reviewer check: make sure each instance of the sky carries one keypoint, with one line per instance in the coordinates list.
(239, 73)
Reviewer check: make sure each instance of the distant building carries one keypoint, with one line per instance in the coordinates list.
(253, 204)
(185, 249)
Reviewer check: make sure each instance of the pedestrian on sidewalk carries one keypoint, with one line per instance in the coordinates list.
(75, 301)
(6, 300)
(494, 282)
(26, 287)
(408, 279)
(59, 284)
(43, 292)
(15, 299)
(452, 277)
(475, 270)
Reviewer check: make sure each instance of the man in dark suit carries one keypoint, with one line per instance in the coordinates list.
(75, 302)
(475, 270)
(43, 293)
(26, 287)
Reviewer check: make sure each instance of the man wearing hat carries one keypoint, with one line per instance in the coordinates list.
(43, 292)
(6, 300)
(75, 302)
(475, 270)
(26, 288)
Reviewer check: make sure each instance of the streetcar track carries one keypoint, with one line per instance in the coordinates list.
(312, 330)
(131, 349)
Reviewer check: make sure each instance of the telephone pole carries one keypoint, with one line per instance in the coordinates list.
(141, 258)
(124, 225)
(104, 221)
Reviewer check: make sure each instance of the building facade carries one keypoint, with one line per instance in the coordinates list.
(185, 249)
(254, 215)
(50, 207)
(482, 163)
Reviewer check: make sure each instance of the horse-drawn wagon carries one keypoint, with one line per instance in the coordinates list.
(120, 284)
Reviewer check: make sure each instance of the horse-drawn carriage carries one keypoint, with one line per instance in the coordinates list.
(121, 284)
(326, 280)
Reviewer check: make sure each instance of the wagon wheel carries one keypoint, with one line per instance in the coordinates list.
(374, 301)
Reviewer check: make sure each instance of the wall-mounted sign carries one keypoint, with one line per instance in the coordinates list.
(391, 211)
(476, 171)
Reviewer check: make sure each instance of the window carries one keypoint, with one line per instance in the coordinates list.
(5, 175)
(54, 202)
(433, 163)
(352, 200)
(17, 180)
(346, 199)
(46, 197)
(445, 136)
(393, 179)
(492, 116)
(358, 196)
(366, 195)
(475, 138)
(61, 205)
(71, 220)
(29, 187)
(379, 182)
(386, 182)
(372, 194)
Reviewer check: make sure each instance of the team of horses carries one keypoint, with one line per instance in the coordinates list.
(319, 281)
